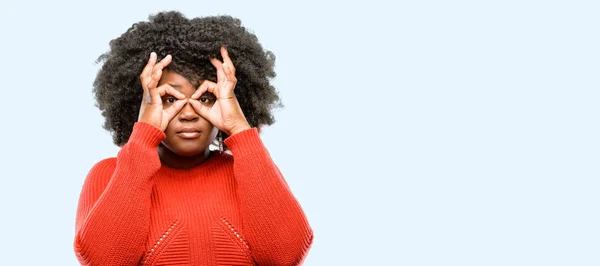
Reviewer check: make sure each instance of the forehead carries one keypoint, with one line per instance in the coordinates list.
(174, 79)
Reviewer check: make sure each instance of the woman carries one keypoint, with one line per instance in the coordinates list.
(168, 88)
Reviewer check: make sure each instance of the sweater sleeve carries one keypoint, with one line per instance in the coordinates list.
(113, 214)
(274, 223)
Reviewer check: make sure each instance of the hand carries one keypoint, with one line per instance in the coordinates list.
(151, 110)
(226, 113)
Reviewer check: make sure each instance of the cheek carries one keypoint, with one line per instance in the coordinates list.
(171, 124)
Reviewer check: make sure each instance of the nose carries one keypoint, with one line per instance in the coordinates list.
(188, 113)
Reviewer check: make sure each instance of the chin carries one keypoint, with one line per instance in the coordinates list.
(188, 153)
(186, 149)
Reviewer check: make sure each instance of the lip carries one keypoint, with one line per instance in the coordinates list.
(189, 135)
(189, 132)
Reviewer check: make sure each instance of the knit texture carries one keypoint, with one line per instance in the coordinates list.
(233, 209)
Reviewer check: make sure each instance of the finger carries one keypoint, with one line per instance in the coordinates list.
(200, 108)
(206, 85)
(152, 83)
(157, 93)
(216, 62)
(174, 109)
(164, 62)
(230, 79)
(226, 59)
(158, 68)
(168, 89)
(147, 70)
(219, 66)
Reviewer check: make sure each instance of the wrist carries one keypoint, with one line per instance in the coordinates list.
(239, 129)
(146, 134)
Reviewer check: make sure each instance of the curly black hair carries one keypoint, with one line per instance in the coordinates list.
(191, 42)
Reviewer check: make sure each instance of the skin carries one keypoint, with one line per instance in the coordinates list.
(176, 151)
(170, 102)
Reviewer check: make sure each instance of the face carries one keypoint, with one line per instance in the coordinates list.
(187, 134)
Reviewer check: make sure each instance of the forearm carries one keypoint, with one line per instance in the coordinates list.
(114, 230)
(273, 220)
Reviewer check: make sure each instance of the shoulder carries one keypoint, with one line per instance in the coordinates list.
(100, 174)
(104, 165)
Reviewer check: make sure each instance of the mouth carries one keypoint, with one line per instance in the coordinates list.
(189, 133)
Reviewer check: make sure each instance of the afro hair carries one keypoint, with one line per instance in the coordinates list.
(190, 42)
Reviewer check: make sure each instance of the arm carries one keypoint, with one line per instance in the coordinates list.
(113, 214)
(273, 221)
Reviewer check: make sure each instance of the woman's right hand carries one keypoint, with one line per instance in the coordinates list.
(151, 110)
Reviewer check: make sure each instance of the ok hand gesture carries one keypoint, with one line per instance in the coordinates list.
(151, 110)
(226, 113)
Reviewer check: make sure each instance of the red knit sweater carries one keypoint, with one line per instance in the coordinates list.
(230, 210)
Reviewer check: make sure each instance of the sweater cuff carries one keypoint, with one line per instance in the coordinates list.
(146, 134)
(246, 142)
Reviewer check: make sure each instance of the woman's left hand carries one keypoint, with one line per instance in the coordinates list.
(225, 113)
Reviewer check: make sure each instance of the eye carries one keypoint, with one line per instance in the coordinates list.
(207, 98)
(169, 100)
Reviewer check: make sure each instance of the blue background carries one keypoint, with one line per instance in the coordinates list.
(414, 133)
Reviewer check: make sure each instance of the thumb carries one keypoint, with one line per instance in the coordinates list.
(201, 109)
(170, 112)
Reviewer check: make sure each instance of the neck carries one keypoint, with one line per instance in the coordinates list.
(173, 160)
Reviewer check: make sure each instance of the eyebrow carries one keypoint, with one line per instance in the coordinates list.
(176, 86)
